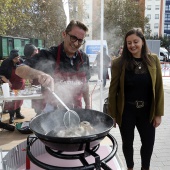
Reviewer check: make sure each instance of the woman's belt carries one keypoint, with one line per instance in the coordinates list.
(138, 103)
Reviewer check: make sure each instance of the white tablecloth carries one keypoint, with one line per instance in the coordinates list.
(22, 97)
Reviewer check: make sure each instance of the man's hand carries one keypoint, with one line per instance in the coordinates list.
(46, 81)
(27, 72)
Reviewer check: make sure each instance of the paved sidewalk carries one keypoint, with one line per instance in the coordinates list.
(161, 154)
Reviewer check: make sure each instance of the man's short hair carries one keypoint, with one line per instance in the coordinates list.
(29, 50)
(75, 23)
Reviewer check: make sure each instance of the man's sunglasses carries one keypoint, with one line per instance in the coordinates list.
(74, 39)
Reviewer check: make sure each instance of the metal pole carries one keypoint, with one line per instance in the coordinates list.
(75, 9)
(66, 10)
(101, 57)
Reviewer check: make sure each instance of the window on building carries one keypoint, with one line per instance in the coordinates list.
(10, 43)
(167, 26)
(167, 8)
(156, 7)
(149, 16)
(22, 43)
(156, 25)
(167, 17)
(149, 7)
(156, 16)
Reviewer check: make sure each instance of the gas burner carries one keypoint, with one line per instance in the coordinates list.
(80, 156)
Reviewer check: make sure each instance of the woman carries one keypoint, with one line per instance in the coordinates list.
(136, 97)
(7, 72)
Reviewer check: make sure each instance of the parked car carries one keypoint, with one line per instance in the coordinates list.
(163, 56)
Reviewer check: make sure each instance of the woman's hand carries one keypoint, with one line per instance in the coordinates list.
(114, 121)
(157, 121)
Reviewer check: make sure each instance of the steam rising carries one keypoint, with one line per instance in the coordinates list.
(84, 129)
(68, 90)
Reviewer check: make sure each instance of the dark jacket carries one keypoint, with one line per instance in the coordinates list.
(116, 90)
(46, 61)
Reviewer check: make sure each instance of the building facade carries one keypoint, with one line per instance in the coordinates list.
(88, 17)
(155, 11)
(167, 18)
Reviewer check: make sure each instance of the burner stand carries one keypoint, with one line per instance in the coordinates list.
(79, 156)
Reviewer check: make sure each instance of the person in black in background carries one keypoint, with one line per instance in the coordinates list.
(64, 65)
(106, 65)
(119, 53)
(7, 72)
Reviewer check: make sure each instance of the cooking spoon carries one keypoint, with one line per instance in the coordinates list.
(71, 118)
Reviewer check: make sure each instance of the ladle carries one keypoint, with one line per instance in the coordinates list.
(71, 118)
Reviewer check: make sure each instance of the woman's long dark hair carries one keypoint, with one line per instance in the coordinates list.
(127, 56)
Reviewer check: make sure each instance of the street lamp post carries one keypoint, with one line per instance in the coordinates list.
(101, 56)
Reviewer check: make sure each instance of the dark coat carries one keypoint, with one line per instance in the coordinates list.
(116, 90)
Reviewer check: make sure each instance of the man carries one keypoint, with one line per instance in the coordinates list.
(106, 64)
(30, 50)
(64, 68)
(119, 53)
(37, 104)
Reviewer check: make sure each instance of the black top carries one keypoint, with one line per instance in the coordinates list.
(138, 84)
